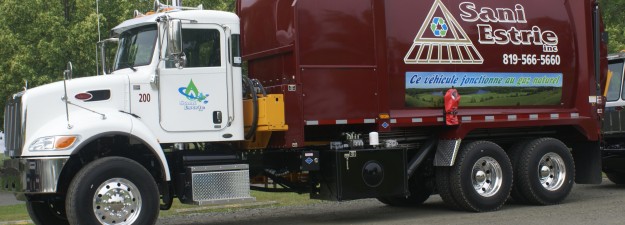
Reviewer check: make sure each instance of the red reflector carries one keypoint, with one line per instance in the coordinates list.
(83, 96)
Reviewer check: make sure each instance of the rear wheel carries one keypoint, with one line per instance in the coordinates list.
(545, 172)
(481, 178)
(444, 187)
(113, 190)
(515, 155)
(616, 177)
(47, 212)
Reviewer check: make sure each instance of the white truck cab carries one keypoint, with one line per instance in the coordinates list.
(93, 150)
(194, 102)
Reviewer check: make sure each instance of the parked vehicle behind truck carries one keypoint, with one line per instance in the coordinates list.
(394, 100)
(613, 123)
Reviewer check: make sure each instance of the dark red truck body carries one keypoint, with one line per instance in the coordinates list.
(347, 65)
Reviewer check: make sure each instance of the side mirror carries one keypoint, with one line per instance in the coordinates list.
(174, 37)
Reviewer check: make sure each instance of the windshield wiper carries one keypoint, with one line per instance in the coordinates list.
(129, 66)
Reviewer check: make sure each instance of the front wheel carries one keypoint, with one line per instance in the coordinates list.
(113, 190)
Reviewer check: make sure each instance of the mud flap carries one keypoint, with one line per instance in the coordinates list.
(587, 156)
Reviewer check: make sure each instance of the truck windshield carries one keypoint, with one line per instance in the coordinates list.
(136, 47)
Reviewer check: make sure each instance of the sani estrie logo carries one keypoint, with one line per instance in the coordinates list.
(195, 100)
(441, 39)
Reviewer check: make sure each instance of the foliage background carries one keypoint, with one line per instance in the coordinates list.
(38, 37)
(613, 12)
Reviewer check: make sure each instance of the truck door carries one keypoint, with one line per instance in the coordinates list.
(195, 97)
(614, 121)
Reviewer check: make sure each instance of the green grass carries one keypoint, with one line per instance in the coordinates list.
(18, 212)
(273, 199)
(508, 99)
(13, 213)
(488, 99)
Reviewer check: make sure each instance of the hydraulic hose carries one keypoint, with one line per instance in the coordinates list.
(250, 85)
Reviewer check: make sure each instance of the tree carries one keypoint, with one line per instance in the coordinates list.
(44, 35)
(34, 31)
(614, 19)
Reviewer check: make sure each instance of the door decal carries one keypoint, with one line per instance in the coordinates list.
(193, 98)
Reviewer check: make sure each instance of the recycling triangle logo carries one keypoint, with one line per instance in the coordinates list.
(441, 40)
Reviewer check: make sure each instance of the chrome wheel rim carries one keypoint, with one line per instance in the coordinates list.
(117, 201)
(486, 176)
(551, 171)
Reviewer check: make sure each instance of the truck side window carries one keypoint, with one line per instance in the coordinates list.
(202, 48)
(236, 50)
(614, 88)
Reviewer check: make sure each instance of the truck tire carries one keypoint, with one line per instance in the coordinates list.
(616, 177)
(113, 190)
(514, 154)
(545, 172)
(47, 212)
(481, 178)
(444, 187)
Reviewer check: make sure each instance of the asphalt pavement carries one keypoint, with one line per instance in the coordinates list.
(587, 204)
(7, 198)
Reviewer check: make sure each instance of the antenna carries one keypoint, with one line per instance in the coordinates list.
(97, 11)
(67, 74)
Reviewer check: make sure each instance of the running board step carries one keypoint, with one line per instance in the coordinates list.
(218, 184)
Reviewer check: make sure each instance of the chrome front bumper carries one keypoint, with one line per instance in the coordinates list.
(31, 175)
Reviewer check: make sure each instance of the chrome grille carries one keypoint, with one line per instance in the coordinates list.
(13, 130)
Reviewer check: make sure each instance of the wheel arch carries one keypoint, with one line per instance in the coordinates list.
(116, 143)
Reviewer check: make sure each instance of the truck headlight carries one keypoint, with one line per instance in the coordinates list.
(53, 143)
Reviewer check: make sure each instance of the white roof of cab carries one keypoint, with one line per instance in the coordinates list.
(201, 16)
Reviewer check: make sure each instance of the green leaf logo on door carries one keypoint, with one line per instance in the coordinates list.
(192, 93)
(194, 99)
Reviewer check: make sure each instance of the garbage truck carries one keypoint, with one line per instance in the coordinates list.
(475, 101)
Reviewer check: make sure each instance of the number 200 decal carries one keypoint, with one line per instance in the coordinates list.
(144, 98)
